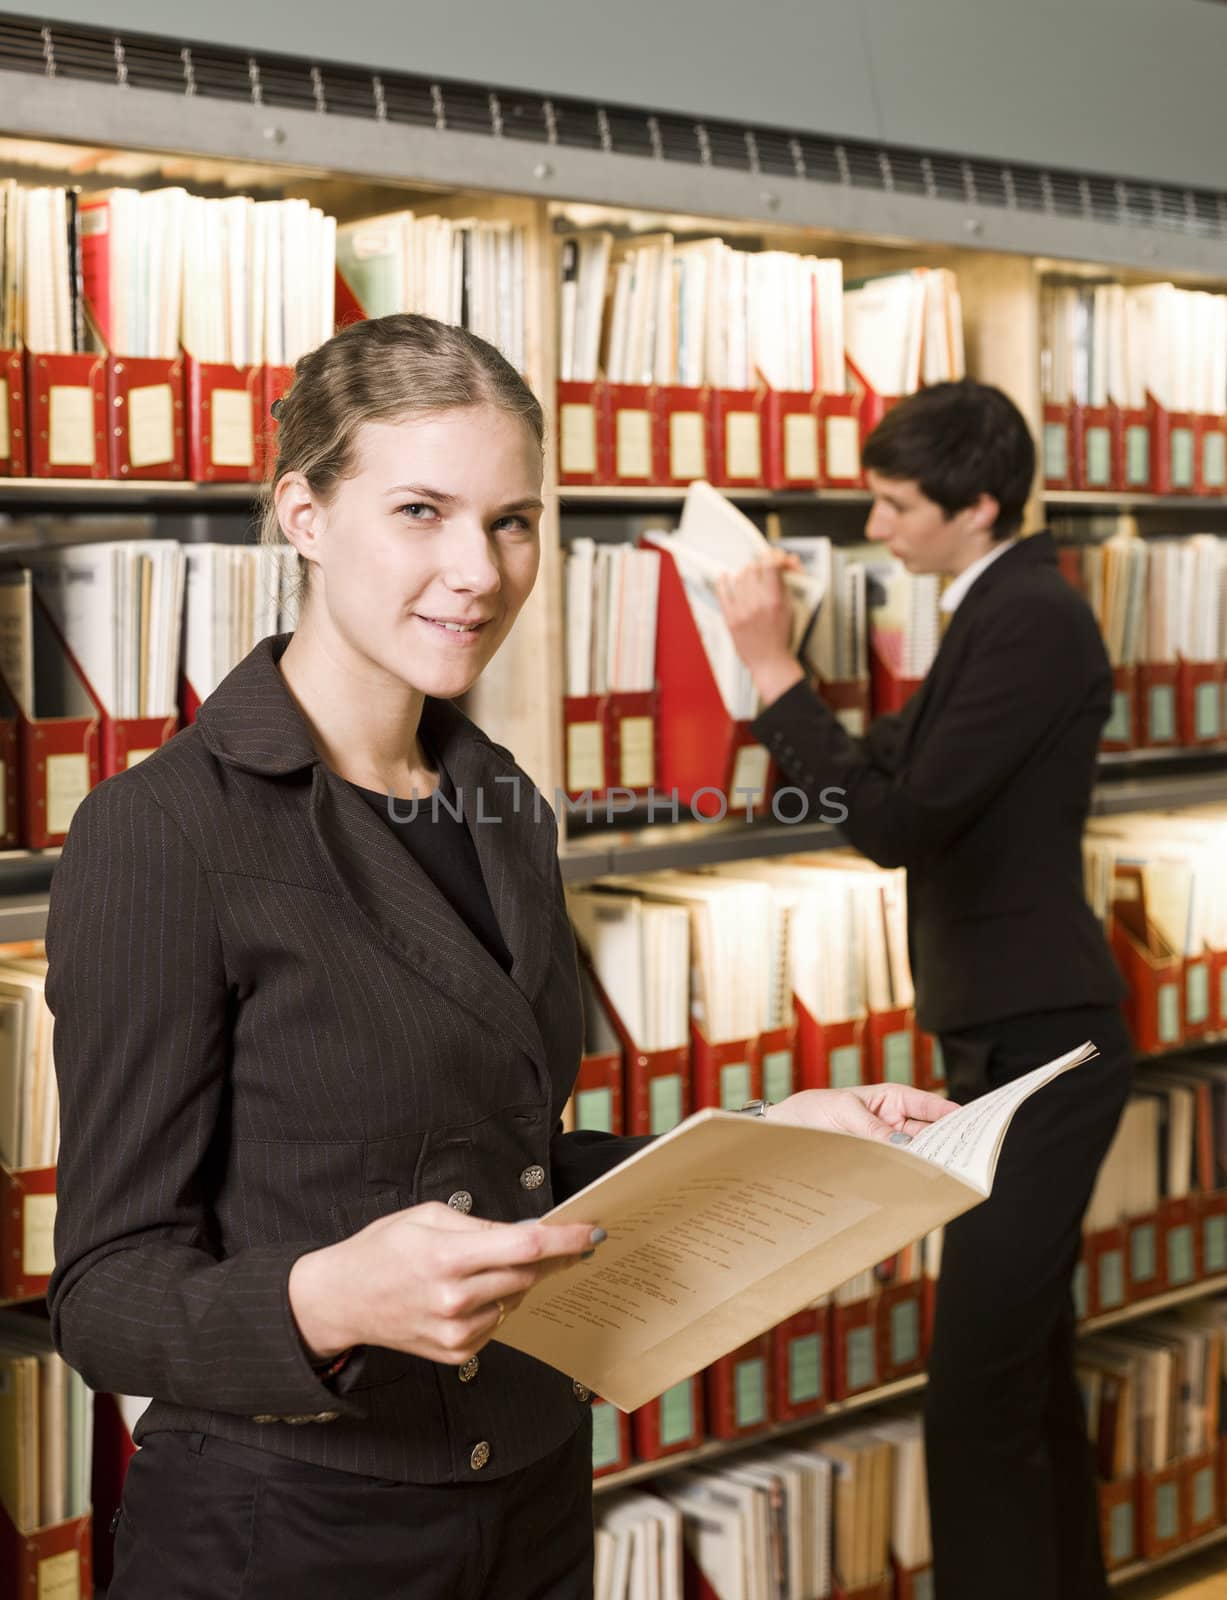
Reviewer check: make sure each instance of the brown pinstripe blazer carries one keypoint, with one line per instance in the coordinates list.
(270, 1029)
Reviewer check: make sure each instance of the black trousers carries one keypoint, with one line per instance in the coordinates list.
(203, 1519)
(1011, 1483)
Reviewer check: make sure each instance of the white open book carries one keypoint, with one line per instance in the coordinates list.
(729, 1224)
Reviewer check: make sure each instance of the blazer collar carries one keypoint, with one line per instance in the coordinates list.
(1036, 550)
(251, 722)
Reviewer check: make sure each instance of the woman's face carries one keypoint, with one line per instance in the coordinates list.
(427, 552)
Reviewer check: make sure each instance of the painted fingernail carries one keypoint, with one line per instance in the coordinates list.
(598, 1236)
(900, 1138)
(587, 1255)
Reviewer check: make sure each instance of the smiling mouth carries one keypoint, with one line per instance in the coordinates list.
(459, 629)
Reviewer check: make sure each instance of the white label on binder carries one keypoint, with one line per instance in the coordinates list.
(801, 446)
(151, 425)
(578, 448)
(852, 720)
(6, 446)
(139, 755)
(233, 445)
(37, 1235)
(59, 1577)
(636, 741)
(843, 448)
(743, 456)
(67, 786)
(70, 439)
(633, 449)
(749, 772)
(585, 757)
(687, 445)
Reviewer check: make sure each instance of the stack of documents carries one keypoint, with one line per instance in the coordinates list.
(235, 595)
(12, 266)
(611, 594)
(838, 647)
(1114, 583)
(41, 303)
(640, 953)
(584, 266)
(29, 1098)
(132, 265)
(904, 618)
(1170, 868)
(905, 329)
(460, 271)
(46, 1428)
(1184, 599)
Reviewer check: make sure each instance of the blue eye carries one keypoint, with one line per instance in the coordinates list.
(412, 510)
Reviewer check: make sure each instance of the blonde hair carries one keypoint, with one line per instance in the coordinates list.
(378, 371)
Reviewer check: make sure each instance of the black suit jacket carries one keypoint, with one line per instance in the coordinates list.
(270, 1029)
(980, 787)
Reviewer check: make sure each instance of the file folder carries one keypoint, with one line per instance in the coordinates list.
(1218, 989)
(13, 437)
(628, 420)
(275, 382)
(854, 1347)
(632, 729)
(1143, 1268)
(891, 1046)
(597, 1095)
(1199, 703)
(840, 436)
(793, 433)
(1105, 1253)
(737, 1391)
(26, 1232)
(1179, 1242)
(145, 402)
(1211, 440)
(66, 399)
(737, 438)
(1099, 437)
(611, 1439)
(583, 433)
(849, 699)
(1060, 445)
(1157, 704)
(778, 1064)
(1118, 1521)
(800, 1364)
(1175, 451)
(47, 1562)
(682, 445)
(1154, 1003)
(831, 1055)
(657, 1086)
(1198, 999)
(724, 1074)
(1201, 1490)
(1212, 1209)
(701, 746)
(1138, 450)
(871, 406)
(223, 406)
(1120, 730)
(912, 1583)
(901, 1330)
(1163, 1517)
(585, 740)
(673, 1421)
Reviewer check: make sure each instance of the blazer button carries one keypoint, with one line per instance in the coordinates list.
(265, 1418)
(532, 1177)
(480, 1455)
(326, 1416)
(297, 1421)
(581, 1394)
(462, 1200)
(469, 1371)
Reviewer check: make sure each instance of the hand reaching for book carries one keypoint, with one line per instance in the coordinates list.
(758, 614)
(874, 1111)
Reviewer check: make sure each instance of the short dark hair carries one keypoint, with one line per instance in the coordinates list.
(959, 441)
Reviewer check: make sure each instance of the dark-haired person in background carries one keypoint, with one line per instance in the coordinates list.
(980, 788)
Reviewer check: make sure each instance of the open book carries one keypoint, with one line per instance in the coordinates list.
(729, 1224)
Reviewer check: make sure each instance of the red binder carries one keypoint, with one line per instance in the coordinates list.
(1211, 439)
(26, 1228)
(1157, 702)
(1218, 989)
(1198, 1000)
(1118, 1521)
(628, 423)
(1061, 452)
(611, 1439)
(1154, 1004)
(1163, 1521)
(223, 405)
(275, 382)
(854, 1347)
(1212, 1211)
(793, 433)
(891, 1046)
(145, 404)
(888, 692)
(738, 1391)
(724, 1074)
(13, 438)
(800, 1364)
(778, 1064)
(1201, 1492)
(1199, 703)
(1139, 451)
(871, 406)
(1143, 1266)
(901, 1334)
(840, 455)
(585, 741)
(681, 435)
(1179, 1242)
(56, 1560)
(849, 699)
(702, 747)
(597, 1095)
(737, 438)
(66, 399)
(632, 734)
(1107, 1281)
(1175, 455)
(912, 1583)
(657, 1086)
(583, 433)
(1100, 440)
(1120, 730)
(831, 1055)
(673, 1421)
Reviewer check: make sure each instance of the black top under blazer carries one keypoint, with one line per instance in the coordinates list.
(980, 787)
(270, 1029)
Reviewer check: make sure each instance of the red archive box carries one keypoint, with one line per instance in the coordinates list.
(1154, 976)
(1158, 726)
(1179, 1242)
(737, 457)
(673, 1421)
(1118, 1521)
(1163, 1514)
(839, 458)
(801, 1364)
(889, 692)
(1106, 1255)
(26, 1231)
(724, 1074)
(13, 438)
(1212, 1213)
(890, 1041)
(347, 307)
(1199, 702)
(1198, 1002)
(583, 433)
(597, 1095)
(793, 429)
(681, 437)
(1201, 1493)
(1175, 451)
(1099, 441)
(145, 406)
(1138, 452)
(778, 1066)
(831, 1055)
(871, 406)
(1218, 989)
(901, 1330)
(1061, 451)
(632, 739)
(585, 756)
(47, 1563)
(913, 1583)
(737, 1390)
(1120, 730)
(223, 406)
(657, 1082)
(849, 699)
(854, 1347)
(627, 418)
(611, 1439)
(1143, 1267)
(274, 383)
(702, 748)
(1210, 432)
(66, 402)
